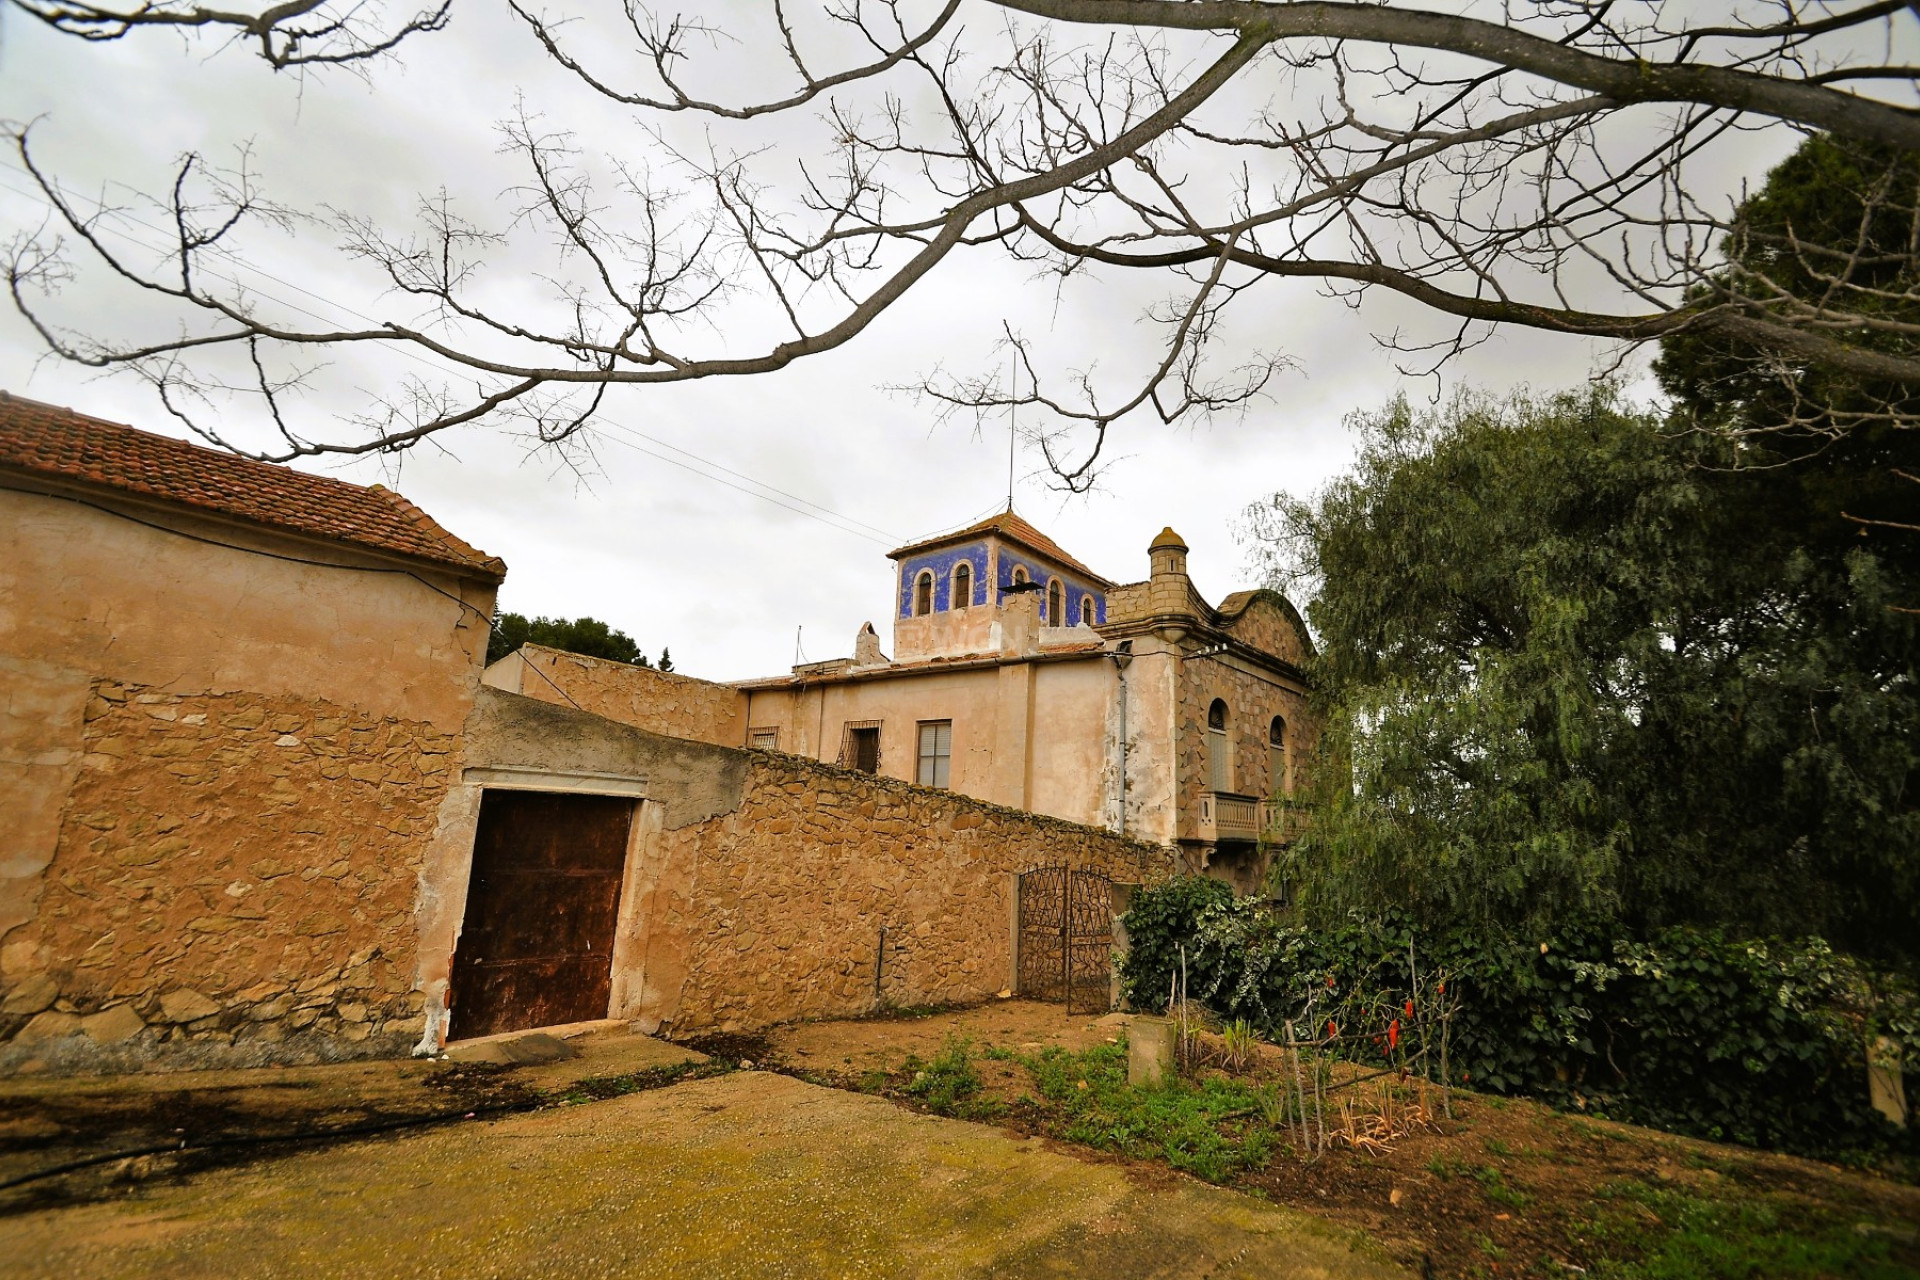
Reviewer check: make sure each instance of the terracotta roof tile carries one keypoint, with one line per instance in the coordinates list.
(1014, 529)
(47, 440)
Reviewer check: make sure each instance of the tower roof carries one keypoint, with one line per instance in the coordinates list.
(1167, 538)
(1014, 529)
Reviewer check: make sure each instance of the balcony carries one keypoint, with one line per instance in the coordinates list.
(1226, 818)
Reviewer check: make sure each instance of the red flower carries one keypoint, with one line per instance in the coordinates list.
(1409, 1008)
(1329, 982)
(1332, 1030)
(1443, 986)
(1393, 1034)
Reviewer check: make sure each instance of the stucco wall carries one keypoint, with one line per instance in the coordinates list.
(234, 883)
(1030, 735)
(92, 601)
(657, 701)
(759, 881)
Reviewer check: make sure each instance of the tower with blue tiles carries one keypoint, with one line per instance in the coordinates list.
(973, 590)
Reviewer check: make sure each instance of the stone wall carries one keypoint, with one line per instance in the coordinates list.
(758, 882)
(151, 600)
(234, 883)
(658, 701)
(1266, 626)
(1252, 700)
(792, 889)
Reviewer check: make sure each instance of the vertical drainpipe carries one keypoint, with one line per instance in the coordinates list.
(1121, 657)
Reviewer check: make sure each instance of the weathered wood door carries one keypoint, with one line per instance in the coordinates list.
(537, 946)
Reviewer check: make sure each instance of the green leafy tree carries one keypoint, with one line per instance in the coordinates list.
(588, 636)
(1573, 661)
(1828, 239)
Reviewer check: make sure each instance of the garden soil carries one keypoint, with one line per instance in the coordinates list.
(1507, 1187)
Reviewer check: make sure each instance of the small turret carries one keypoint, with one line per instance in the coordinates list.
(1168, 554)
(1169, 592)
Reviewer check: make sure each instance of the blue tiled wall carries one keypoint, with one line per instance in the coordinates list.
(1039, 572)
(942, 563)
(975, 553)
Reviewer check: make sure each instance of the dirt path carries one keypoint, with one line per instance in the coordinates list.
(800, 1180)
(210, 1119)
(751, 1174)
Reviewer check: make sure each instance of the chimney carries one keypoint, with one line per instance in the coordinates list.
(866, 648)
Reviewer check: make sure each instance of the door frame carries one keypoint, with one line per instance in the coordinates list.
(628, 939)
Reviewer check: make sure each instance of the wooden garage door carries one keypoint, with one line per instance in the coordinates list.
(537, 945)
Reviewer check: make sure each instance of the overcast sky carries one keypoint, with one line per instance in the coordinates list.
(651, 539)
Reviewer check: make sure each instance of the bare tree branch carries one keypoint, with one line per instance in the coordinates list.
(296, 33)
(1562, 169)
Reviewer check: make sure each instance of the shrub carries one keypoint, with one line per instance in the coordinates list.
(1761, 1042)
(1159, 920)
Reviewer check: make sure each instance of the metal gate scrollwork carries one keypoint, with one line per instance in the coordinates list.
(1066, 938)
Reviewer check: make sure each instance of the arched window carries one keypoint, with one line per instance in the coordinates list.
(1219, 766)
(1086, 611)
(923, 594)
(1056, 610)
(962, 586)
(1279, 781)
(1020, 573)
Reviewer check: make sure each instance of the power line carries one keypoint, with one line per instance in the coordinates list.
(772, 495)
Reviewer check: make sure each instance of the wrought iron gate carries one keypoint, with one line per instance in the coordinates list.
(1066, 938)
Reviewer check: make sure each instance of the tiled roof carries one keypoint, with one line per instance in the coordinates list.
(51, 441)
(849, 674)
(1013, 529)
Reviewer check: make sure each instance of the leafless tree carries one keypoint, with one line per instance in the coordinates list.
(297, 33)
(1558, 165)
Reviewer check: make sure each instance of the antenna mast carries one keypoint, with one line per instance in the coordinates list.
(1012, 413)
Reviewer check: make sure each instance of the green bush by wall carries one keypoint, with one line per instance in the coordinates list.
(1760, 1042)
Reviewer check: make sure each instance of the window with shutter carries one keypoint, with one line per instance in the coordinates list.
(936, 753)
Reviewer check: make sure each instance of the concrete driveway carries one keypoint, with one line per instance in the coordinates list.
(750, 1175)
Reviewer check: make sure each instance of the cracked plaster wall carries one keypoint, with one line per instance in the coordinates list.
(141, 676)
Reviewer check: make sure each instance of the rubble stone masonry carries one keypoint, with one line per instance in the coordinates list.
(234, 883)
(657, 701)
(1253, 699)
(774, 911)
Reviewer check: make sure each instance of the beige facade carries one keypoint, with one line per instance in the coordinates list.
(247, 759)
(1102, 720)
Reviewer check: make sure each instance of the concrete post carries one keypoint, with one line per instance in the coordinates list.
(1885, 1088)
(1013, 932)
(1149, 1051)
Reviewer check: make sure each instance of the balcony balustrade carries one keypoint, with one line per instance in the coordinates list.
(1225, 816)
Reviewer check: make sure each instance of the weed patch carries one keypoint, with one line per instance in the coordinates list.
(1657, 1233)
(1212, 1128)
(949, 1085)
